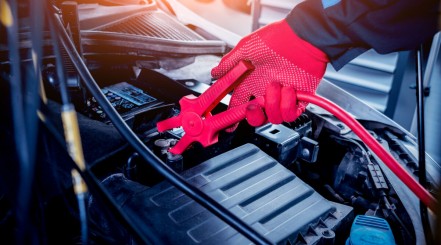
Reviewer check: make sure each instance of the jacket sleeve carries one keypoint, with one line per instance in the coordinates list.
(344, 29)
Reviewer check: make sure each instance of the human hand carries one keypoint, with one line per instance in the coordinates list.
(283, 64)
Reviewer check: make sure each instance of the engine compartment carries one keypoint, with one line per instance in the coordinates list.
(304, 182)
(316, 149)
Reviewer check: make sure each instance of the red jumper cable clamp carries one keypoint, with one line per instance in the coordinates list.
(195, 117)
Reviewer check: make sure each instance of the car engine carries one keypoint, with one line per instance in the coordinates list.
(312, 181)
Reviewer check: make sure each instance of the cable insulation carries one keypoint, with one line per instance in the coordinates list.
(24, 183)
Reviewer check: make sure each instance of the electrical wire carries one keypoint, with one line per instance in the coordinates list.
(370, 141)
(148, 238)
(81, 195)
(73, 140)
(20, 132)
(179, 182)
(59, 67)
(33, 79)
(98, 191)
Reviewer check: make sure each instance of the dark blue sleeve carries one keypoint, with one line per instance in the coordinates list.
(344, 29)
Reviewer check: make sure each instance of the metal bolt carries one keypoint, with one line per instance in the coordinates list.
(162, 143)
(189, 84)
(305, 153)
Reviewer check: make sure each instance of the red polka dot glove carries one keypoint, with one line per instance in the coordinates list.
(283, 64)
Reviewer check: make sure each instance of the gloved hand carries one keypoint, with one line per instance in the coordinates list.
(283, 64)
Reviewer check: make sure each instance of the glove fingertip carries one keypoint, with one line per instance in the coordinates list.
(219, 71)
(272, 103)
(255, 115)
(227, 63)
(288, 104)
(222, 68)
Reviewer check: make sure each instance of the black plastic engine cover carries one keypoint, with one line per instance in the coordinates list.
(251, 185)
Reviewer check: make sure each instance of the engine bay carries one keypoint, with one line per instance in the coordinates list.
(256, 171)
(312, 181)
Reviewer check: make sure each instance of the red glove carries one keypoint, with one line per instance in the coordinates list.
(283, 63)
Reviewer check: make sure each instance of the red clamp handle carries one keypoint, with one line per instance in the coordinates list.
(195, 112)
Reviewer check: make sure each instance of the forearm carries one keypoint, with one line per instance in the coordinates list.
(345, 29)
